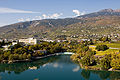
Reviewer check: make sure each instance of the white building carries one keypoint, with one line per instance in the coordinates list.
(14, 42)
(29, 41)
(7, 47)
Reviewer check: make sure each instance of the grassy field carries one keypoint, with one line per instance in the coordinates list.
(112, 45)
(1, 48)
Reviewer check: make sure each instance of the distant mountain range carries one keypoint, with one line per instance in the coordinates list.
(93, 25)
(105, 12)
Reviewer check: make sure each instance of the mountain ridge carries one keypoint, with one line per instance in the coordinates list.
(52, 28)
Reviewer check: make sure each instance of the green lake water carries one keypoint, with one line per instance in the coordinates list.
(52, 68)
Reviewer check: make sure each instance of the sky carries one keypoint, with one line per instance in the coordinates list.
(13, 11)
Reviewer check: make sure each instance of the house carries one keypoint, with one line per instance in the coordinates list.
(7, 47)
(49, 40)
(14, 42)
(29, 41)
(41, 51)
(61, 40)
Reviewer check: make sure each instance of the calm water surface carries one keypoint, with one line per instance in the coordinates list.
(52, 68)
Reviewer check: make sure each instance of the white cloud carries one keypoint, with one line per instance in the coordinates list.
(53, 16)
(78, 13)
(21, 20)
(28, 19)
(43, 16)
(9, 10)
(56, 15)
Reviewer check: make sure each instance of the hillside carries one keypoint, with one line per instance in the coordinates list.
(93, 25)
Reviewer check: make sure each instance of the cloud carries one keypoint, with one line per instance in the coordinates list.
(21, 20)
(78, 13)
(9, 10)
(53, 16)
(56, 15)
(43, 16)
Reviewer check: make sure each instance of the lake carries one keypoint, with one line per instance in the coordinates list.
(52, 68)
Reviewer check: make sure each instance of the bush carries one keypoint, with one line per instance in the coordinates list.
(102, 47)
(88, 60)
(105, 62)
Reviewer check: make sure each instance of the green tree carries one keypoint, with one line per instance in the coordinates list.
(20, 56)
(88, 60)
(106, 61)
(6, 54)
(11, 57)
(29, 56)
(101, 47)
(24, 56)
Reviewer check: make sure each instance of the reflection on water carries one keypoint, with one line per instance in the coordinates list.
(52, 68)
(76, 69)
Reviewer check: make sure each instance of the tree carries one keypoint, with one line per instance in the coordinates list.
(11, 57)
(104, 39)
(1, 57)
(86, 48)
(105, 62)
(115, 63)
(17, 46)
(6, 54)
(20, 56)
(88, 60)
(16, 56)
(24, 56)
(29, 56)
(101, 47)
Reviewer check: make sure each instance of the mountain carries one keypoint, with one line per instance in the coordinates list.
(37, 27)
(93, 25)
(104, 12)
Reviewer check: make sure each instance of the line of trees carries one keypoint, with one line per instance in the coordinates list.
(87, 57)
(19, 52)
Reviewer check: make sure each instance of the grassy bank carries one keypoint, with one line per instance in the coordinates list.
(113, 48)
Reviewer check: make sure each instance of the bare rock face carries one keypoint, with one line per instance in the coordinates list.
(110, 10)
(117, 10)
(107, 10)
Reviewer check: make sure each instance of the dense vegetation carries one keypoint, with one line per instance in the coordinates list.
(31, 52)
(19, 52)
(102, 47)
(88, 58)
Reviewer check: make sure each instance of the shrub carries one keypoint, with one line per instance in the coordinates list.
(102, 47)
(105, 62)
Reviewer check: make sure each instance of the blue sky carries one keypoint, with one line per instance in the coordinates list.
(12, 11)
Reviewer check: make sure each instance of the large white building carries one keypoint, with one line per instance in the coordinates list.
(29, 41)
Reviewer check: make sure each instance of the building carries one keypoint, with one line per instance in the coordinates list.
(7, 47)
(41, 51)
(29, 41)
(14, 42)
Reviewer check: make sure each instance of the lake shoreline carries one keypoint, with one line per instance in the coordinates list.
(97, 68)
(27, 60)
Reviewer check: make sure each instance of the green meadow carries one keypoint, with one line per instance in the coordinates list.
(109, 51)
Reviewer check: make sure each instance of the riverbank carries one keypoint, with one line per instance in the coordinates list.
(96, 68)
(27, 60)
(34, 58)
